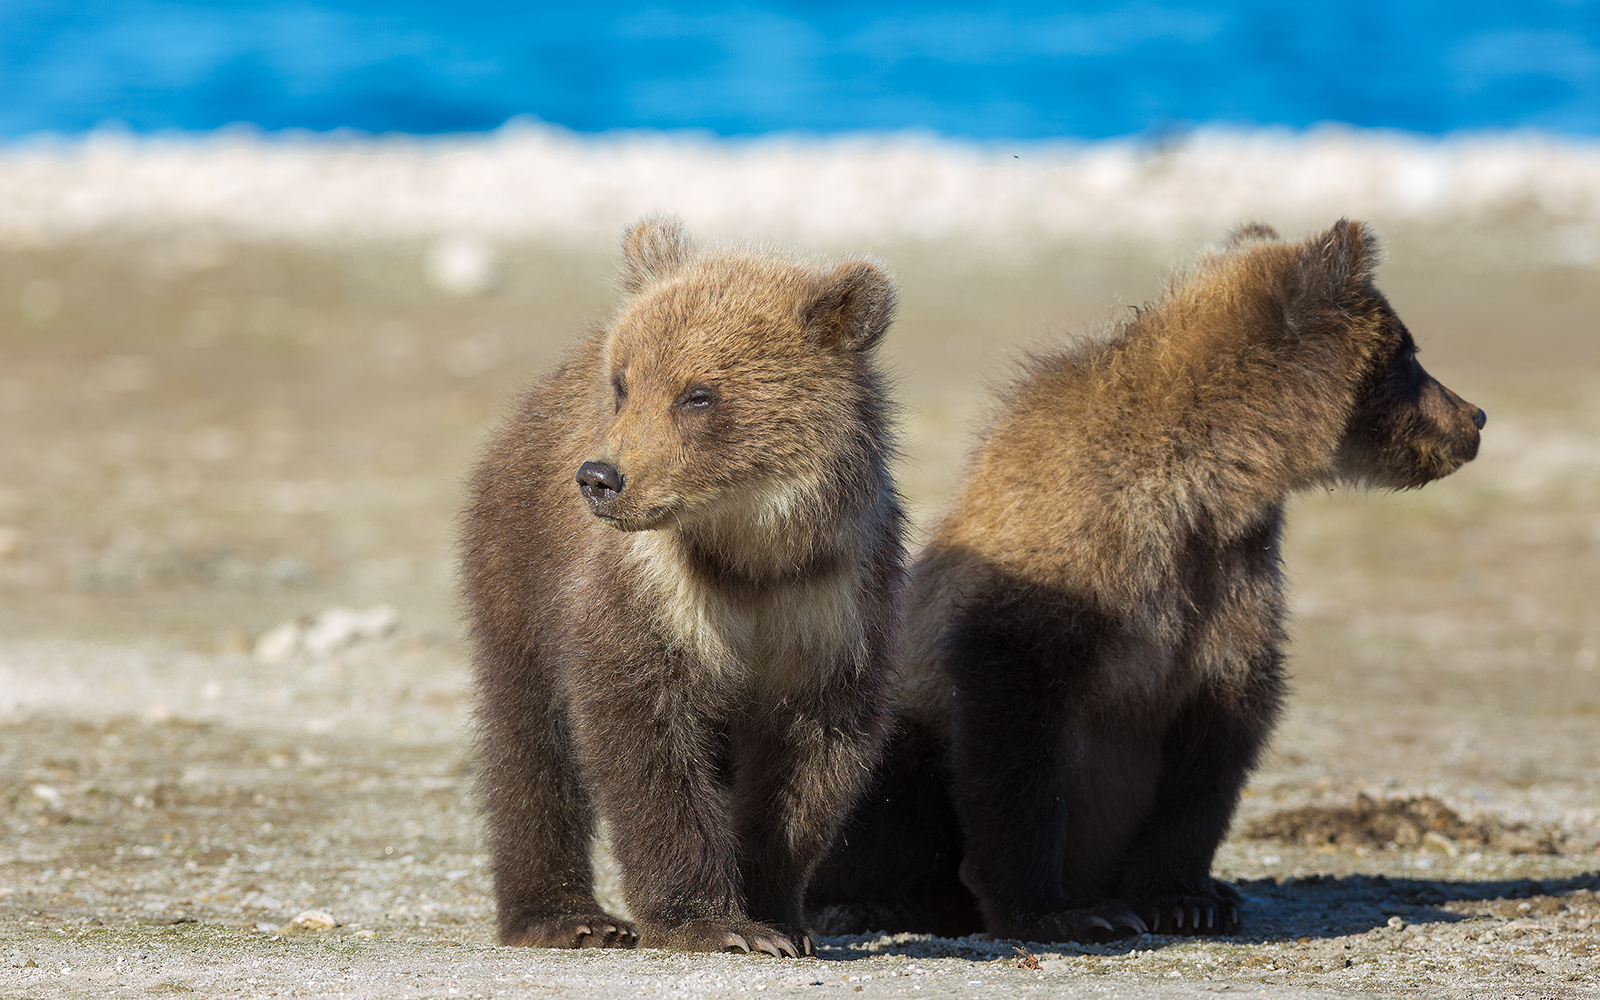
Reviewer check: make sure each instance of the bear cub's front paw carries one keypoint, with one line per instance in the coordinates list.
(1095, 923)
(732, 936)
(1214, 913)
(579, 930)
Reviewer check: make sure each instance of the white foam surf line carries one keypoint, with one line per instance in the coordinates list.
(540, 183)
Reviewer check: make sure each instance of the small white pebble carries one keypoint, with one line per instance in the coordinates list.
(317, 920)
(278, 643)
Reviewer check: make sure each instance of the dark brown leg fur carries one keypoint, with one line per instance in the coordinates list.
(1080, 825)
(668, 811)
(798, 766)
(1208, 753)
(894, 865)
(716, 829)
(1018, 764)
(540, 822)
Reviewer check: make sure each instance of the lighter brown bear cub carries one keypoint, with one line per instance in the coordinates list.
(1095, 631)
(680, 562)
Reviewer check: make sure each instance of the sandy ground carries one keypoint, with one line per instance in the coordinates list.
(199, 445)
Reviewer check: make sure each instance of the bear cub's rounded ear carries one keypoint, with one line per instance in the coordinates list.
(1252, 232)
(652, 249)
(1338, 266)
(851, 308)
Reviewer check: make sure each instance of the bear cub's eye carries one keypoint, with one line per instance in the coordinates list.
(619, 387)
(699, 398)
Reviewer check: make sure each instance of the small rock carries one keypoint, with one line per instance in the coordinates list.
(312, 920)
(278, 643)
(337, 628)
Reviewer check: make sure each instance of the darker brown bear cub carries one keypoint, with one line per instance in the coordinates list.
(1094, 656)
(681, 562)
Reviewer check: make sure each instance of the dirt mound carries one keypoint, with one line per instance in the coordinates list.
(1410, 822)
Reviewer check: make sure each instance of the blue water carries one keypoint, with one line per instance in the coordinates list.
(1088, 70)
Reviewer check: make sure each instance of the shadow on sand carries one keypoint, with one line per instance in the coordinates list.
(1314, 906)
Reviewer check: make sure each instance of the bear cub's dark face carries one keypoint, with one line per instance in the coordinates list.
(1406, 429)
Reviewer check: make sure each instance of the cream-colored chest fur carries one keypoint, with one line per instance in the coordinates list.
(789, 632)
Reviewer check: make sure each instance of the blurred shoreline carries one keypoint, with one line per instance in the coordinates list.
(531, 182)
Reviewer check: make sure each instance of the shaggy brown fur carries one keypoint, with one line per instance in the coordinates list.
(1094, 657)
(681, 561)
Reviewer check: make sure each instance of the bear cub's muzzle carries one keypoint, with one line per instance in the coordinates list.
(600, 483)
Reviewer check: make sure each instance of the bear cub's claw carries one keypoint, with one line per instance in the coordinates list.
(738, 936)
(1194, 915)
(1088, 924)
(588, 930)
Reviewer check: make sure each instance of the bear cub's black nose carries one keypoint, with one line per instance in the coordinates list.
(599, 481)
(1479, 419)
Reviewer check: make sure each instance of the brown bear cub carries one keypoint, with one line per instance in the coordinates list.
(682, 560)
(1094, 652)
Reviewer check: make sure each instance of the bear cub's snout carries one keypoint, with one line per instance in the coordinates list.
(599, 482)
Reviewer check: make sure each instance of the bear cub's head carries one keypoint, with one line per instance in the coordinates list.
(1404, 428)
(1407, 428)
(733, 384)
